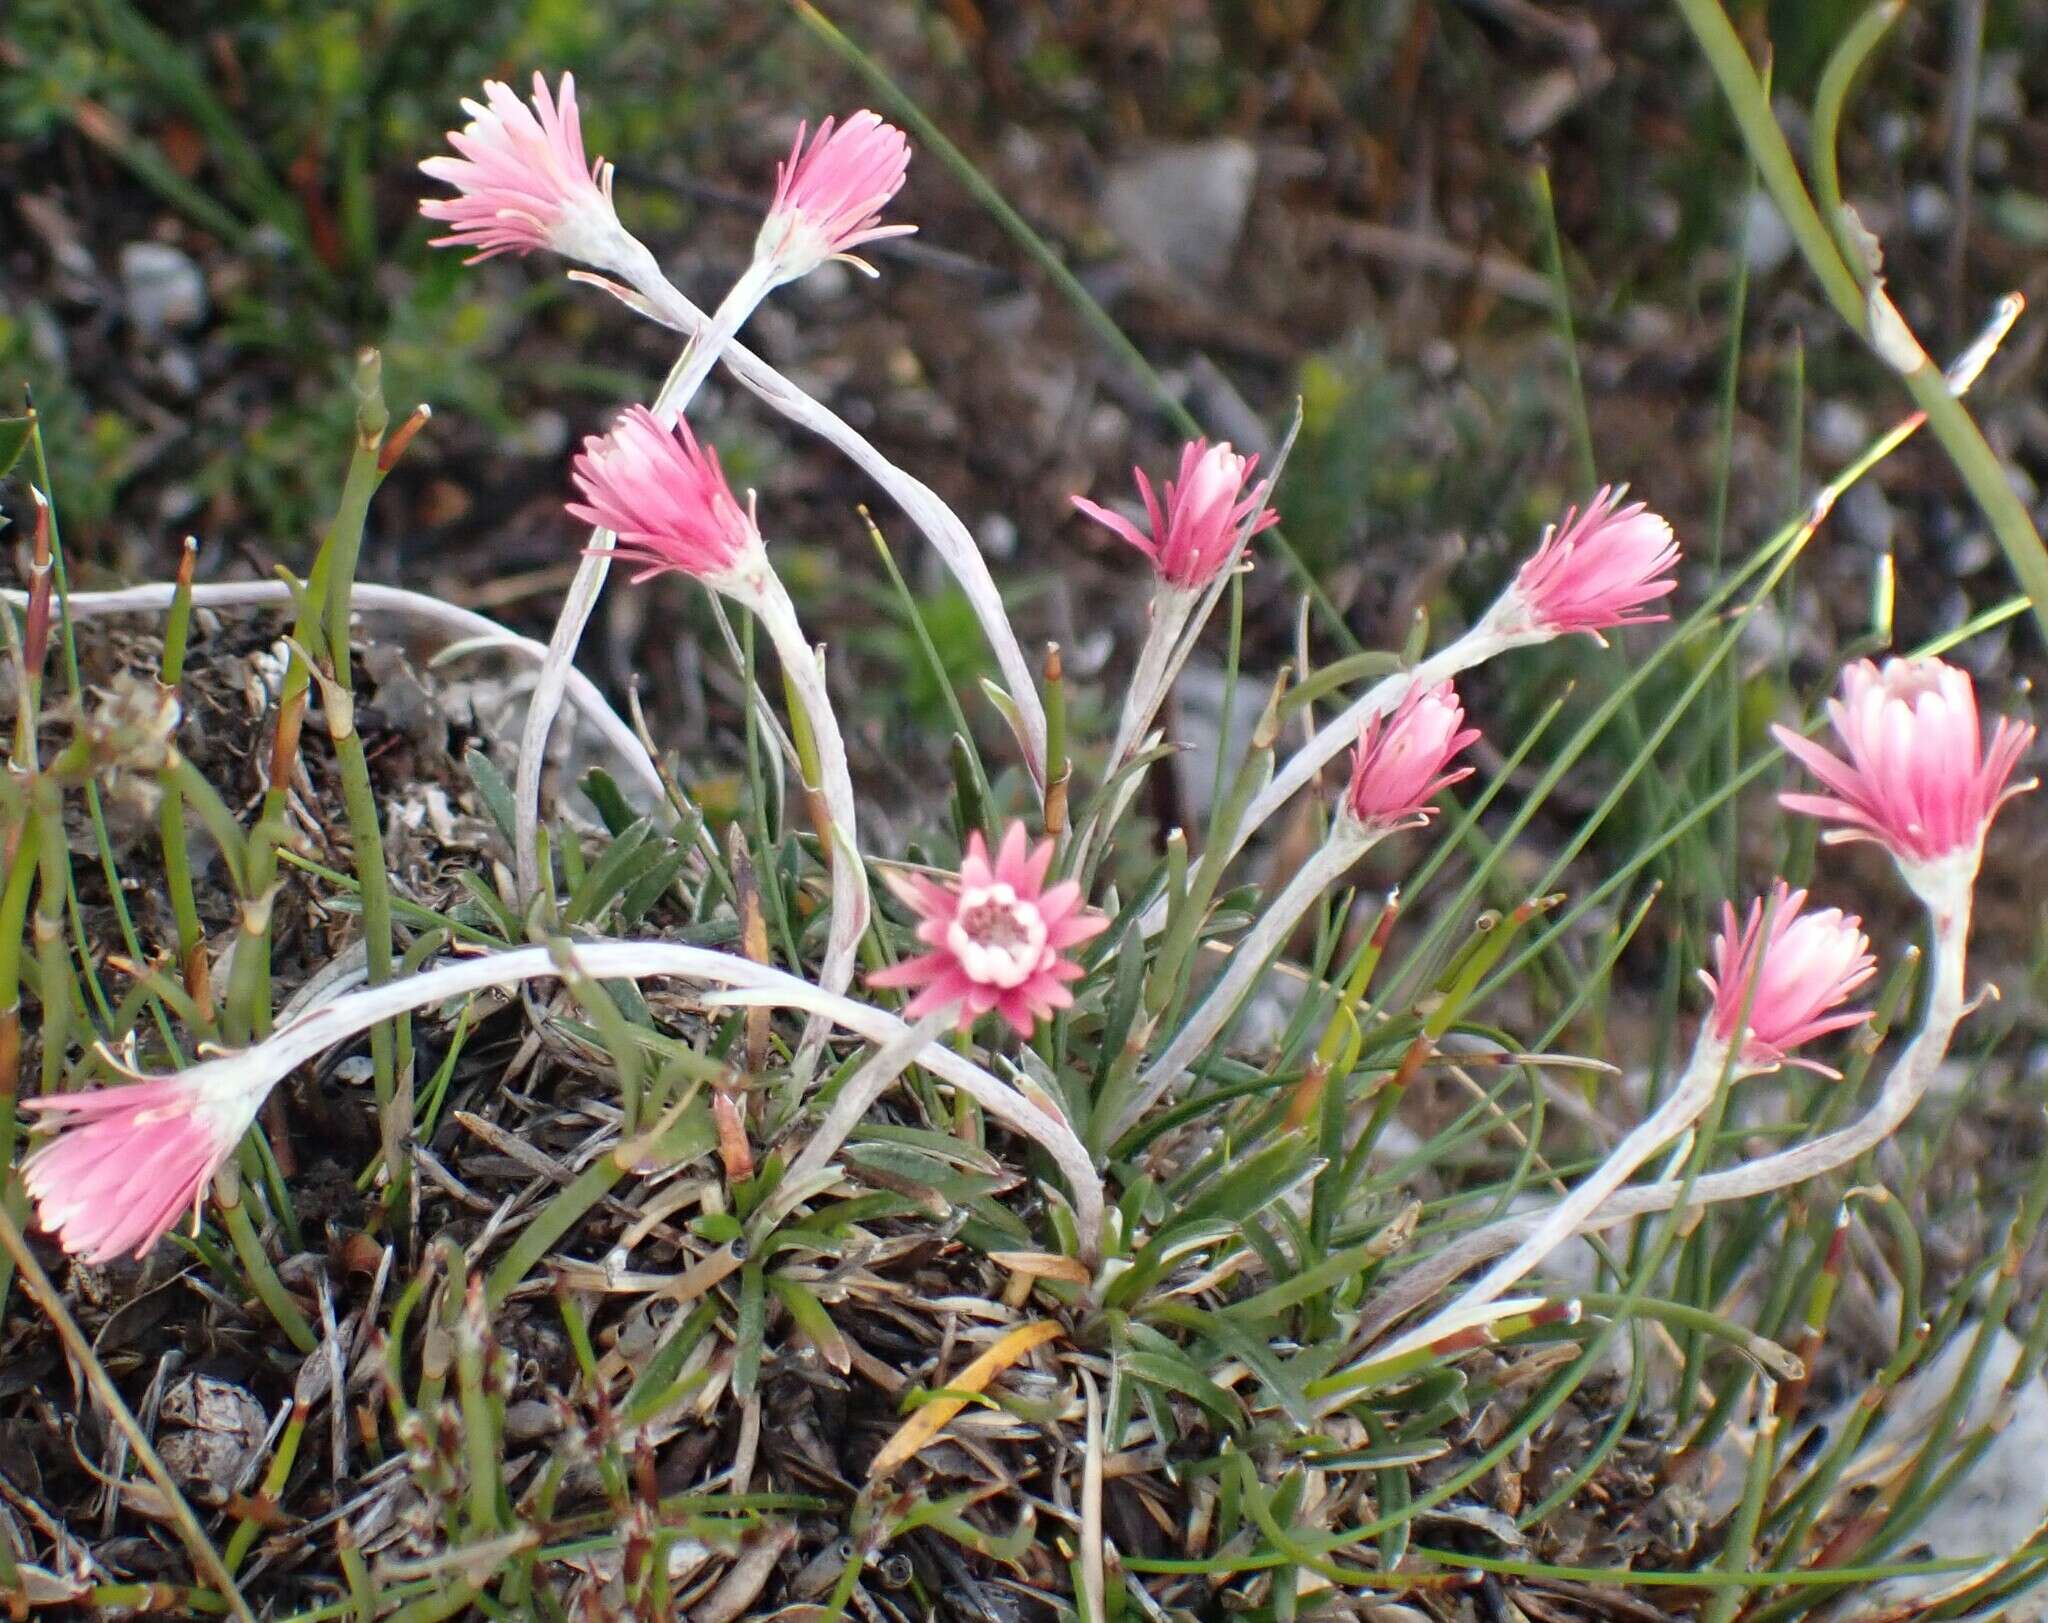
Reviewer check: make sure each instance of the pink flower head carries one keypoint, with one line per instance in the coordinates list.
(1196, 533)
(998, 936)
(1810, 964)
(829, 197)
(1403, 759)
(1593, 571)
(1919, 776)
(129, 1161)
(664, 496)
(522, 181)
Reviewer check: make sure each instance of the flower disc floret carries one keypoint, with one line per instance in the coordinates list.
(998, 936)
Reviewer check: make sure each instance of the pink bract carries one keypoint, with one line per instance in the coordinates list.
(1403, 759)
(127, 1163)
(1809, 966)
(1195, 533)
(1593, 572)
(521, 180)
(829, 196)
(1920, 778)
(998, 936)
(664, 496)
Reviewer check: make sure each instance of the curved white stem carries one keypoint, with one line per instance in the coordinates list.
(251, 1073)
(765, 595)
(1680, 1109)
(1349, 840)
(1171, 607)
(479, 630)
(580, 601)
(889, 1061)
(661, 301)
(1902, 1091)
(1338, 734)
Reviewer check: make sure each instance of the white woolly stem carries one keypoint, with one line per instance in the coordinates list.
(1680, 1109)
(1349, 840)
(1153, 675)
(479, 632)
(771, 605)
(1171, 607)
(1903, 1089)
(956, 547)
(889, 1061)
(580, 601)
(254, 1071)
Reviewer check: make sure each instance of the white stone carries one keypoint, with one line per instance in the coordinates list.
(1181, 208)
(163, 288)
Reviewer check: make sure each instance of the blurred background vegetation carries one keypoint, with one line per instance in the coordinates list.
(1498, 250)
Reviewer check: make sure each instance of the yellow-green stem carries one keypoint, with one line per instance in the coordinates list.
(272, 1490)
(1952, 425)
(367, 836)
(262, 1276)
(53, 957)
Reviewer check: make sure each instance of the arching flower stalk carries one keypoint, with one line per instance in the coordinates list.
(1398, 766)
(1780, 980)
(1904, 1086)
(659, 300)
(666, 499)
(103, 1132)
(580, 601)
(850, 1104)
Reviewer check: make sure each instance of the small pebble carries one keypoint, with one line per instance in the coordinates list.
(1868, 517)
(997, 535)
(179, 371)
(162, 287)
(1928, 211)
(1840, 429)
(1766, 239)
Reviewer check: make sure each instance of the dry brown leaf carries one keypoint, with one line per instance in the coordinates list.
(927, 1422)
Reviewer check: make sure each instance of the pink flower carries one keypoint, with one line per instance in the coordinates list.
(522, 181)
(1195, 535)
(1810, 964)
(129, 1161)
(664, 496)
(829, 198)
(1403, 759)
(1919, 777)
(997, 936)
(1592, 572)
